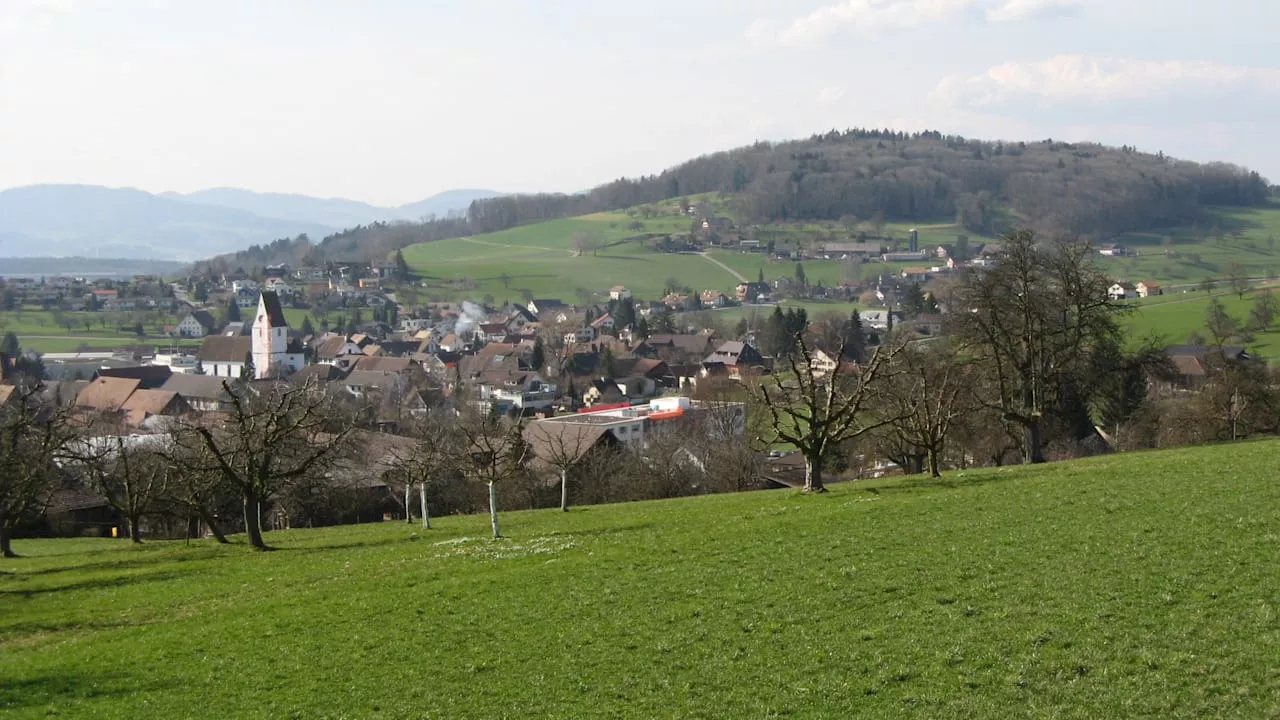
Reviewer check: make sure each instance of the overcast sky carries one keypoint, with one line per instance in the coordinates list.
(389, 101)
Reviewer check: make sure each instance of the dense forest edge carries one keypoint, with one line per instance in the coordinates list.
(1082, 190)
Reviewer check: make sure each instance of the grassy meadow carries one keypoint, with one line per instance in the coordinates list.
(1172, 318)
(541, 259)
(1139, 585)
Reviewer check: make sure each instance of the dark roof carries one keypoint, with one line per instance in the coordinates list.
(1199, 351)
(555, 442)
(225, 348)
(203, 387)
(370, 379)
(150, 377)
(205, 318)
(322, 372)
(275, 312)
(384, 364)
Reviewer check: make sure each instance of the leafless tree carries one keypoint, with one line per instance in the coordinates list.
(1038, 319)
(34, 433)
(561, 446)
(494, 453)
(431, 447)
(817, 412)
(927, 392)
(130, 472)
(275, 436)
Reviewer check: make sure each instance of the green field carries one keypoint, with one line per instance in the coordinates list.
(1248, 237)
(1140, 585)
(1172, 319)
(540, 259)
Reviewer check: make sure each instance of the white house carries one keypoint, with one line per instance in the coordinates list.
(197, 324)
(1122, 291)
(271, 348)
(618, 292)
(1147, 288)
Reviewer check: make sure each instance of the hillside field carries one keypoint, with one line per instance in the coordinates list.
(1138, 585)
(1172, 319)
(540, 257)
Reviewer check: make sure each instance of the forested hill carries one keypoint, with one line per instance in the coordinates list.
(1073, 188)
(1082, 189)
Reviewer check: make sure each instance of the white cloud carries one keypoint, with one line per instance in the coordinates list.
(1075, 80)
(829, 96)
(880, 14)
(1025, 9)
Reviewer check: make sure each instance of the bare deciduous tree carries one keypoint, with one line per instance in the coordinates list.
(274, 437)
(926, 393)
(34, 434)
(494, 453)
(817, 412)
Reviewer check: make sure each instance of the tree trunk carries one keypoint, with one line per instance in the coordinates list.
(493, 510)
(1035, 453)
(6, 546)
(253, 522)
(135, 533)
(422, 498)
(813, 475)
(564, 490)
(933, 463)
(207, 517)
(408, 512)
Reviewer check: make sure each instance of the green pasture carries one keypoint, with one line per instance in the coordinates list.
(1135, 585)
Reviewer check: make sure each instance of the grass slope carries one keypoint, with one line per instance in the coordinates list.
(1139, 585)
(1173, 318)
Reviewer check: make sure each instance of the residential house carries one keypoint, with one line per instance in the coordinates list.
(338, 351)
(1146, 288)
(491, 332)
(618, 292)
(915, 274)
(1192, 363)
(545, 305)
(149, 377)
(714, 299)
(880, 319)
(196, 324)
(106, 394)
(1122, 291)
(905, 256)
(1115, 251)
(204, 393)
(675, 348)
(734, 359)
(143, 404)
(604, 324)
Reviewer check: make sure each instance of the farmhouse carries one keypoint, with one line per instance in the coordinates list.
(1122, 291)
(1146, 288)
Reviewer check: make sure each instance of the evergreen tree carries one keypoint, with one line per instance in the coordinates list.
(402, 267)
(642, 328)
(538, 356)
(801, 279)
(760, 276)
(606, 363)
(307, 327)
(912, 302)
(248, 372)
(855, 337)
(10, 345)
(233, 311)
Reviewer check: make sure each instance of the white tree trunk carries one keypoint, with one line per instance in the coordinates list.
(564, 490)
(408, 510)
(422, 497)
(493, 510)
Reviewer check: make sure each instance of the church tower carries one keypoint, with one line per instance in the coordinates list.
(270, 335)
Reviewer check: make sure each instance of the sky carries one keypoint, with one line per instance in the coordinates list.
(389, 101)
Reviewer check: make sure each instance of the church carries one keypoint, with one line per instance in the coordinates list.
(273, 354)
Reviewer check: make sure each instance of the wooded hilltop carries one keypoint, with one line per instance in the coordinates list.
(1082, 190)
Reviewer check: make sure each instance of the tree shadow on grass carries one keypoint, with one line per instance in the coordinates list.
(97, 584)
(55, 689)
(949, 482)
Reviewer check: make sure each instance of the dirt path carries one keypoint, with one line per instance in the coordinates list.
(726, 268)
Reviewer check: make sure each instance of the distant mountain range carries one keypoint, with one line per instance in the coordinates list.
(93, 221)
